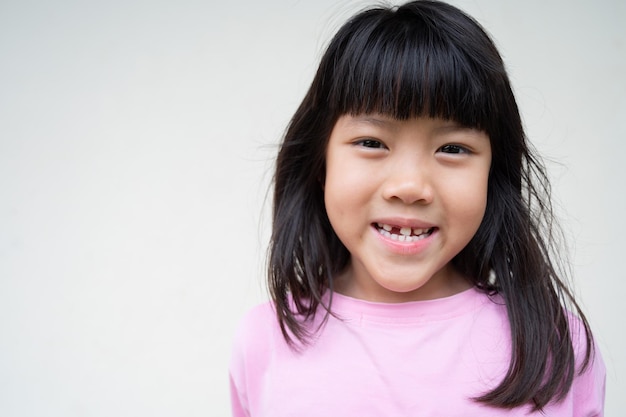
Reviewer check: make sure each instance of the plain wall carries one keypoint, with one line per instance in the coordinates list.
(136, 147)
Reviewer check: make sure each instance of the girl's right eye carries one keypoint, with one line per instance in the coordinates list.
(370, 143)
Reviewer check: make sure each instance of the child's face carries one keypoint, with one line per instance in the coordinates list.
(404, 197)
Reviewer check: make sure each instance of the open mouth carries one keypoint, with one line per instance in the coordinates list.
(403, 234)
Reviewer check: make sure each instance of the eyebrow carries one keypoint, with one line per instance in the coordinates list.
(384, 122)
(373, 120)
(456, 127)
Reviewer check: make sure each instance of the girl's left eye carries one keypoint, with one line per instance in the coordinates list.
(454, 149)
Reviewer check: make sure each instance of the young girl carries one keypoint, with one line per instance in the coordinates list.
(410, 263)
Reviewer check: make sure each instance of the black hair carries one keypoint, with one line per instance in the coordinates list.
(428, 58)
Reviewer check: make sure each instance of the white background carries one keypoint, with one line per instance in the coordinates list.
(136, 147)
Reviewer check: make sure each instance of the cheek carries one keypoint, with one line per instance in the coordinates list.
(334, 194)
(333, 206)
(347, 198)
(346, 185)
(468, 199)
(338, 198)
(338, 209)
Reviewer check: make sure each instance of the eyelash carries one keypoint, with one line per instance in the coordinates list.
(448, 149)
(453, 149)
(371, 144)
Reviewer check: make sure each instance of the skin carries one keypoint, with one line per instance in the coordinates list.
(426, 175)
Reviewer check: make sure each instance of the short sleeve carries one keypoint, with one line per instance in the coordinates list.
(238, 403)
(237, 371)
(589, 388)
(251, 353)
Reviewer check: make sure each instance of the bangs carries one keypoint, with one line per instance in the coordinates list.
(404, 68)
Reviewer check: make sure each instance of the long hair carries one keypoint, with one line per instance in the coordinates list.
(427, 58)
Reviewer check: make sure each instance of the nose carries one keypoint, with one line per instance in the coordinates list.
(409, 180)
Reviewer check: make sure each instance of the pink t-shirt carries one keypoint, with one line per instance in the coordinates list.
(425, 358)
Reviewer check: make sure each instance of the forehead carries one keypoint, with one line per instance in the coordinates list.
(405, 65)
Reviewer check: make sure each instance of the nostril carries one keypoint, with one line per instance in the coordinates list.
(409, 192)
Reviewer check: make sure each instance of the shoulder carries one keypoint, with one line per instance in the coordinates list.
(583, 340)
(261, 314)
(251, 350)
(584, 344)
(256, 325)
(589, 385)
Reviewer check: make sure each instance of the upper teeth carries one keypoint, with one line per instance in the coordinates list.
(404, 231)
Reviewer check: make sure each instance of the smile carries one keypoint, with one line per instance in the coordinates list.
(403, 234)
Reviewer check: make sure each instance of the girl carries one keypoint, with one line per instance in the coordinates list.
(410, 265)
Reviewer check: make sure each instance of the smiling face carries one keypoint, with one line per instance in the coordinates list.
(404, 197)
